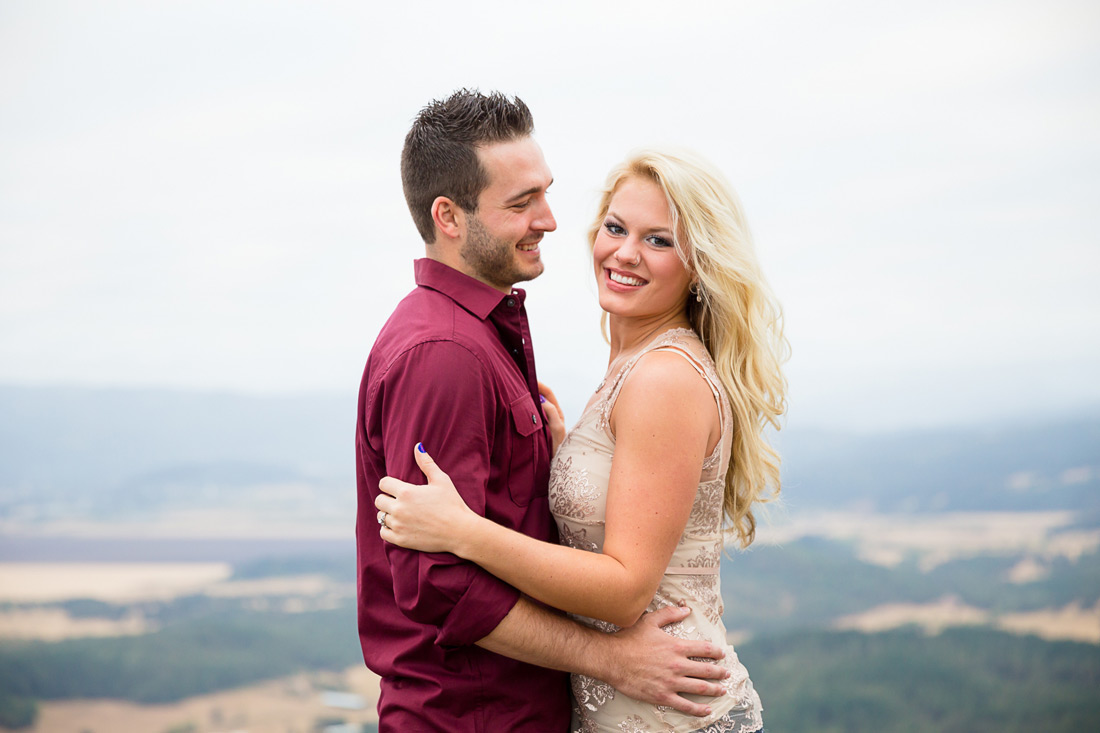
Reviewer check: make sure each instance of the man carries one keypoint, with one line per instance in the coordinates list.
(453, 368)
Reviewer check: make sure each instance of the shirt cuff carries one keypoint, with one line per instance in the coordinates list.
(481, 608)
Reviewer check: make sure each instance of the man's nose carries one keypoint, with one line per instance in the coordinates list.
(545, 221)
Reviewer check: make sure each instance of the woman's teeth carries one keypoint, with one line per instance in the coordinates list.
(624, 279)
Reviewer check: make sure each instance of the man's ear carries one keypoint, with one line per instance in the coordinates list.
(449, 218)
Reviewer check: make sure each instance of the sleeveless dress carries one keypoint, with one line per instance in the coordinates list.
(579, 475)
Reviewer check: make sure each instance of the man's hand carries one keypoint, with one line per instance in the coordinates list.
(654, 667)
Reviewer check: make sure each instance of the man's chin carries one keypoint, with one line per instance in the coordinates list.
(531, 271)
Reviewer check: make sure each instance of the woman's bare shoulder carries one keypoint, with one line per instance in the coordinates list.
(665, 378)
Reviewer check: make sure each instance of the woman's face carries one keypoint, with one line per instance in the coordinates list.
(638, 272)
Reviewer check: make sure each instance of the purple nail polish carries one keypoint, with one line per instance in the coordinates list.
(420, 447)
(542, 399)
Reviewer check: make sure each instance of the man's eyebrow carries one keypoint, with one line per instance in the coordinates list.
(528, 192)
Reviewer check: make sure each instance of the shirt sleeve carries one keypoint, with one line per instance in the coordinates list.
(440, 393)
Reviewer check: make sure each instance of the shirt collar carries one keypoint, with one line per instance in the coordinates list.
(473, 295)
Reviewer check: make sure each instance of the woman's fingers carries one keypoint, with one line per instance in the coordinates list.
(392, 486)
(427, 464)
(547, 393)
(421, 516)
(550, 399)
(385, 503)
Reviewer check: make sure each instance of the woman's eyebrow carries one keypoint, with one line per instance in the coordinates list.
(652, 230)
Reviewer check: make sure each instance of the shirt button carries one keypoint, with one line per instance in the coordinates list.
(534, 420)
(511, 302)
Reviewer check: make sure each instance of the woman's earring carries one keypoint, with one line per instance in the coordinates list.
(698, 292)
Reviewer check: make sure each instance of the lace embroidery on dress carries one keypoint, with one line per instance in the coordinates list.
(578, 539)
(587, 725)
(704, 588)
(706, 511)
(727, 724)
(707, 557)
(634, 724)
(591, 694)
(606, 405)
(574, 495)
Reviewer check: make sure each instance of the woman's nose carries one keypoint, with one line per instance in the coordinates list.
(628, 253)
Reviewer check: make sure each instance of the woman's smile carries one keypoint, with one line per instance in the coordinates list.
(622, 278)
(639, 270)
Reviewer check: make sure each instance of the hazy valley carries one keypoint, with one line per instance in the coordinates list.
(192, 553)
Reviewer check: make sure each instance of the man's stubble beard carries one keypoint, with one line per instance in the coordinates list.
(492, 258)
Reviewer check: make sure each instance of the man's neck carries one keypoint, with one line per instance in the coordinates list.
(453, 260)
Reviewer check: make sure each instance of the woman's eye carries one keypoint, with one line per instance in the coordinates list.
(658, 241)
(613, 228)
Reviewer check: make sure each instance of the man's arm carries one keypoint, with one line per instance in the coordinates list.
(642, 661)
(440, 393)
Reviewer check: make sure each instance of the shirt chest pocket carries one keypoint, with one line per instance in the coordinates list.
(529, 451)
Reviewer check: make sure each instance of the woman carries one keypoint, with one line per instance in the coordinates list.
(668, 447)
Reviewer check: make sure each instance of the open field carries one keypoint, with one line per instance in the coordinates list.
(111, 582)
(291, 705)
(1071, 623)
(54, 624)
(888, 539)
(27, 584)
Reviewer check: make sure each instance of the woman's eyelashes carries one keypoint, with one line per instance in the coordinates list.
(618, 230)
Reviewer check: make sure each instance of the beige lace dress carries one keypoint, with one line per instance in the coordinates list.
(579, 475)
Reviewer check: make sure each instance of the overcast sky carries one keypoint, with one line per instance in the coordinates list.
(206, 195)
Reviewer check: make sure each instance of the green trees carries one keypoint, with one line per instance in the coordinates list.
(17, 712)
(965, 680)
(186, 659)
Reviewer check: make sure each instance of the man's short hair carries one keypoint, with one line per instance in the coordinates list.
(440, 153)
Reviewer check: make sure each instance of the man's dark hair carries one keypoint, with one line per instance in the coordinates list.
(440, 153)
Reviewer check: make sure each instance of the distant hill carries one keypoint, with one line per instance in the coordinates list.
(142, 446)
(62, 440)
(1047, 465)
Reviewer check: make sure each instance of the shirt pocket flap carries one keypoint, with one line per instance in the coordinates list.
(525, 416)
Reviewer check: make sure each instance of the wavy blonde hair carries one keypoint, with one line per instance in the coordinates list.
(737, 318)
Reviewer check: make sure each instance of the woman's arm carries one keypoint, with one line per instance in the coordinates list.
(664, 421)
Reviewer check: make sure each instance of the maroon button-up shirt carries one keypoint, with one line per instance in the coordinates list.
(454, 368)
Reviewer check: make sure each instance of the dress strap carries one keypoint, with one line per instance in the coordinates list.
(683, 570)
(674, 340)
(692, 359)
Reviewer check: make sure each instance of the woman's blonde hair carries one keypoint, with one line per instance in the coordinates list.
(735, 315)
